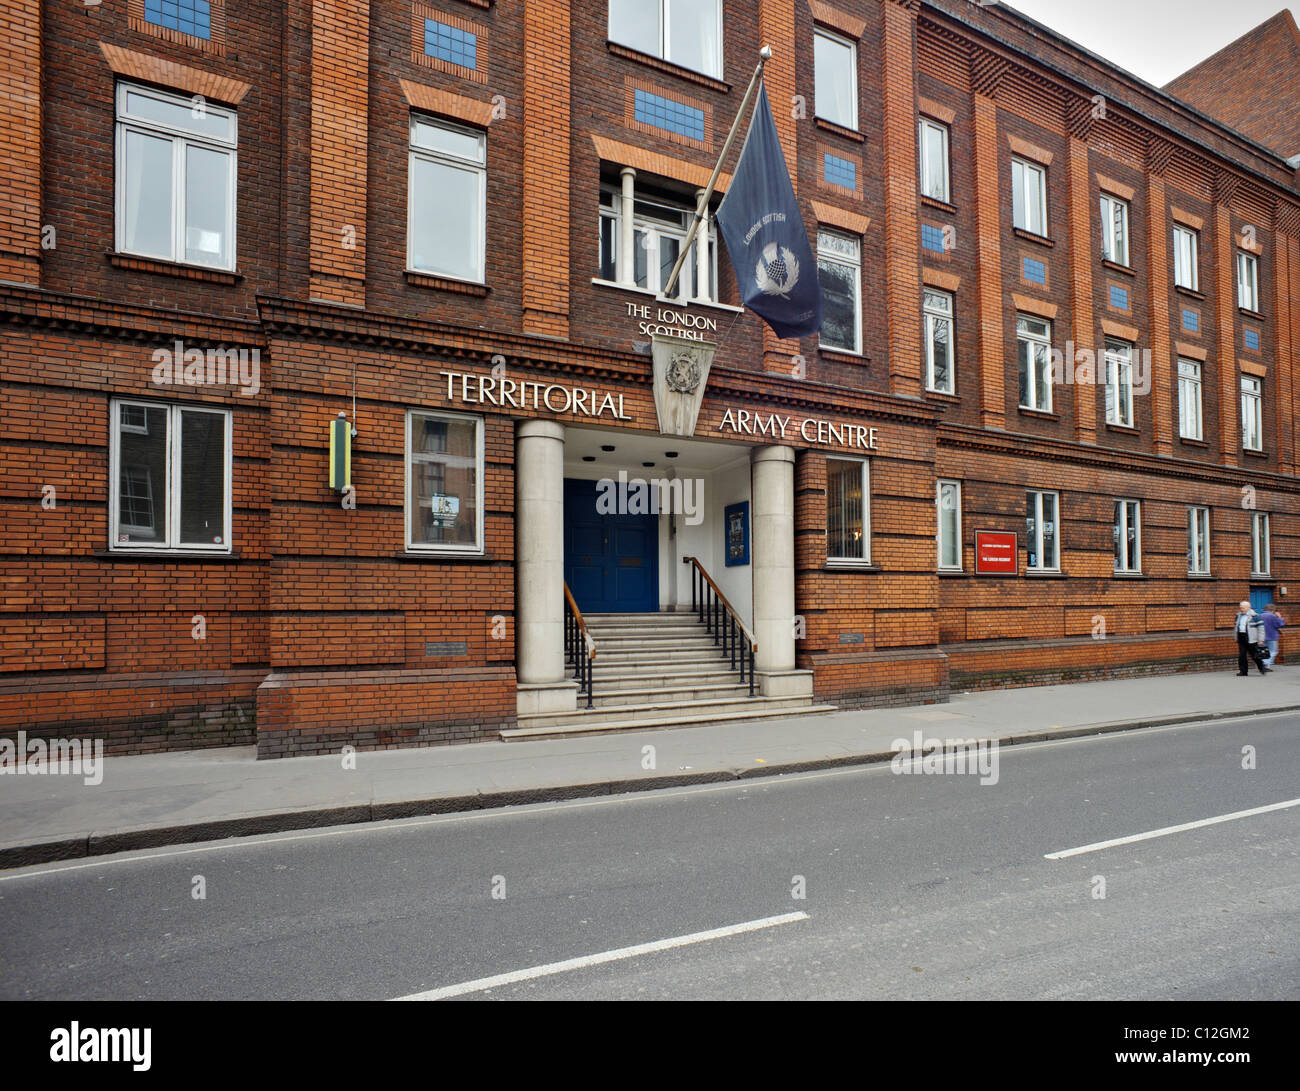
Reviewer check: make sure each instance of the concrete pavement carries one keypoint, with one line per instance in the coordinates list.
(148, 801)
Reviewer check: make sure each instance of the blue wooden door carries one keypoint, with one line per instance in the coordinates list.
(1260, 597)
(611, 562)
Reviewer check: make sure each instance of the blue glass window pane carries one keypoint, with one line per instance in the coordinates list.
(840, 172)
(665, 113)
(450, 44)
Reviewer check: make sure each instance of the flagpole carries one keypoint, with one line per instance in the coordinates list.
(764, 55)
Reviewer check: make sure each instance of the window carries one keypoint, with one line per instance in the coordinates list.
(948, 502)
(1119, 383)
(1033, 335)
(1189, 399)
(169, 477)
(450, 44)
(848, 526)
(839, 268)
(1252, 413)
(839, 172)
(175, 178)
(1260, 552)
(836, 62)
(1041, 539)
(668, 114)
(1029, 195)
(1114, 229)
(939, 350)
(659, 230)
(1247, 281)
(447, 202)
(1128, 536)
(1198, 541)
(934, 160)
(1186, 259)
(685, 32)
(444, 483)
(187, 16)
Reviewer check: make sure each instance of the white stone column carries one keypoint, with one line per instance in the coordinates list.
(702, 267)
(772, 512)
(627, 229)
(544, 685)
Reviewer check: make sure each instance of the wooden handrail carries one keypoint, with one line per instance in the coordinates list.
(753, 640)
(582, 622)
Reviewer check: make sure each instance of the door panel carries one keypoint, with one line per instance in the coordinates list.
(611, 562)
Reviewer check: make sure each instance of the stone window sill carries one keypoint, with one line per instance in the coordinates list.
(1254, 454)
(660, 65)
(840, 130)
(1039, 414)
(446, 284)
(1125, 429)
(1045, 574)
(139, 264)
(1029, 236)
(1191, 293)
(851, 566)
(844, 356)
(942, 206)
(171, 555)
(1193, 442)
(443, 558)
(1251, 314)
(1116, 267)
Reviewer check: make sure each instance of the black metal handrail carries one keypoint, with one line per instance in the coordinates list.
(579, 648)
(722, 622)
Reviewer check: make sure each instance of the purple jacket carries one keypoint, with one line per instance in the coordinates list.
(1272, 624)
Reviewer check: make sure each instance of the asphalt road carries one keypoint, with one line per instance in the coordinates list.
(916, 887)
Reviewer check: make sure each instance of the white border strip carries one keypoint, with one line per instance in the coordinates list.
(1165, 831)
(605, 956)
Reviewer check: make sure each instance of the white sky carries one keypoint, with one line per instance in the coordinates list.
(1154, 39)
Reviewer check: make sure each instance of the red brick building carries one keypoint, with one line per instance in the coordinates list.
(1062, 306)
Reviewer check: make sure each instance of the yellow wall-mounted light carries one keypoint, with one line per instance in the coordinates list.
(340, 453)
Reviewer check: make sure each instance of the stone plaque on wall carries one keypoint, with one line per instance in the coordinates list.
(681, 372)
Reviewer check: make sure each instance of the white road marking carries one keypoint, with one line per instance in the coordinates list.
(617, 955)
(1166, 830)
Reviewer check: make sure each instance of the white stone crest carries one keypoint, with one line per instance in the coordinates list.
(681, 373)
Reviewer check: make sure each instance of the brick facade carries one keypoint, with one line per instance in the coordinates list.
(320, 629)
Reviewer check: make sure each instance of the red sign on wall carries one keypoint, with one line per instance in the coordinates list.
(996, 553)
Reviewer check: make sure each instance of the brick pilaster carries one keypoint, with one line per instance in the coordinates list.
(988, 227)
(20, 141)
(1286, 311)
(340, 44)
(1082, 246)
(1225, 291)
(902, 224)
(1159, 153)
(546, 167)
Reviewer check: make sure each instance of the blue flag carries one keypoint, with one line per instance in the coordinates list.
(763, 229)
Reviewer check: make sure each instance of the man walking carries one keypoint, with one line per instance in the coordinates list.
(1273, 623)
(1250, 634)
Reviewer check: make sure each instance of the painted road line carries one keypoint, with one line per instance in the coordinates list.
(605, 956)
(1166, 830)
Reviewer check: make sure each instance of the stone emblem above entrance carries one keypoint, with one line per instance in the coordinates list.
(681, 373)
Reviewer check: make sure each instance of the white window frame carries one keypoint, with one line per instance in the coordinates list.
(932, 316)
(171, 487)
(939, 487)
(1187, 244)
(664, 8)
(1247, 282)
(1114, 229)
(454, 162)
(844, 43)
(1036, 547)
(1129, 517)
(865, 560)
(181, 139)
(1190, 399)
(1198, 540)
(1252, 413)
(1261, 550)
(1034, 197)
(927, 167)
(425, 548)
(832, 256)
(1119, 382)
(1043, 340)
(652, 230)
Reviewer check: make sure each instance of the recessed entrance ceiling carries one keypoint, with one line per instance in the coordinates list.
(633, 449)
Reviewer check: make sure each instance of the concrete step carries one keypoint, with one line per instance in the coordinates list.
(664, 658)
(651, 645)
(667, 693)
(598, 725)
(606, 682)
(662, 709)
